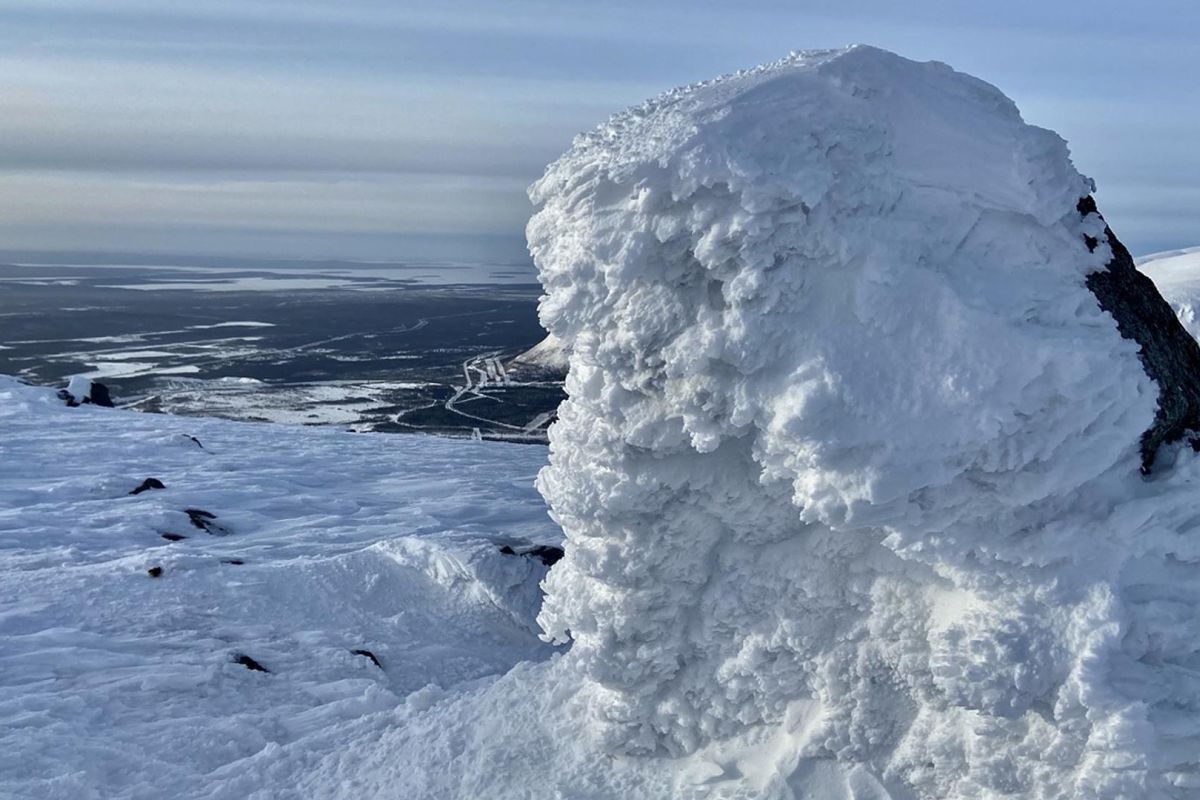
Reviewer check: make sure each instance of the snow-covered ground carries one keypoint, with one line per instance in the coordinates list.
(550, 354)
(114, 683)
(1176, 273)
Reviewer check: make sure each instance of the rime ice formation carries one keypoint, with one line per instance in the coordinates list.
(851, 451)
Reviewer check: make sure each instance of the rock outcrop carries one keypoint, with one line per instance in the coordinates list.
(1168, 352)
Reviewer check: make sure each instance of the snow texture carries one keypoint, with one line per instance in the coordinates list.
(115, 684)
(1176, 273)
(851, 452)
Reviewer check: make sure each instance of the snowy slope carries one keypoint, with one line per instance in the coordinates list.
(117, 684)
(1176, 273)
(550, 353)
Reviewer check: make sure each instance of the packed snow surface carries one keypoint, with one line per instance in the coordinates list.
(850, 455)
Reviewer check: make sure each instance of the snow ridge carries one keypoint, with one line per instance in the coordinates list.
(850, 450)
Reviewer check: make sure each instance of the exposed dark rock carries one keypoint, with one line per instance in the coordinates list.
(82, 391)
(1170, 356)
(549, 554)
(147, 485)
(368, 654)
(205, 521)
(248, 662)
(155, 572)
(236, 562)
(194, 439)
(99, 395)
(173, 537)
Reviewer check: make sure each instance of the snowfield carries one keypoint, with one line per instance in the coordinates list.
(117, 684)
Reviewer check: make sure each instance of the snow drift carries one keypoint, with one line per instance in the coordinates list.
(852, 453)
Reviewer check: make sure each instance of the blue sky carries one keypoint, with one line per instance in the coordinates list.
(364, 129)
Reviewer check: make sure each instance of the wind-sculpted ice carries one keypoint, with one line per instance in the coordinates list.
(851, 449)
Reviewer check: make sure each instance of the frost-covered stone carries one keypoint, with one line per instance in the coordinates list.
(851, 449)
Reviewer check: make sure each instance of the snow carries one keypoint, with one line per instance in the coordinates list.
(550, 353)
(848, 474)
(234, 324)
(1176, 273)
(849, 460)
(80, 388)
(116, 684)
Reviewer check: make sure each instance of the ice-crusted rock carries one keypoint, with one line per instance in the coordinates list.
(852, 450)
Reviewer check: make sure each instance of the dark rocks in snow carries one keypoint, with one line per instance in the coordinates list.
(81, 390)
(99, 395)
(173, 537)
(155, 572)
(205, 521)
(368, 654)
(148, 484)
(1170, 356)
(548, 554)
(198, 514)
(194, 439)
(248, 662)
(236, 562)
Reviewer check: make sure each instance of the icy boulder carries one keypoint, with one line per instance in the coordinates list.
(852, 451)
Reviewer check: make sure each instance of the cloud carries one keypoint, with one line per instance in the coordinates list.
(216, 118)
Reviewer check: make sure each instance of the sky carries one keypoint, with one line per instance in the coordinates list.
(373, 130)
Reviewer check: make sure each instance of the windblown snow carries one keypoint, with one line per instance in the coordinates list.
(850, 450)
(849, 476)
(114, 683)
